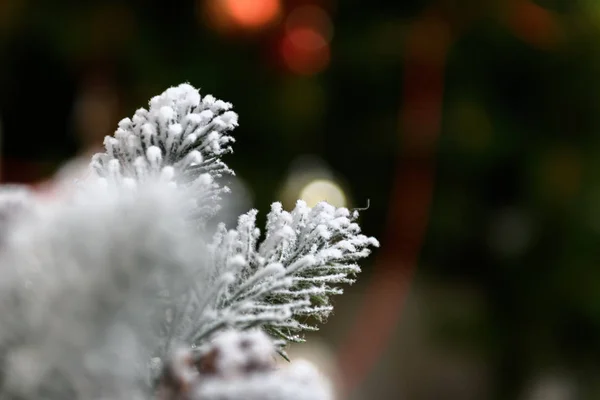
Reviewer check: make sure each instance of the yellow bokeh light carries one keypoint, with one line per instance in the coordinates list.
(323, 190)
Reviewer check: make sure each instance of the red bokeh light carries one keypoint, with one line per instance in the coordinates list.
(310, 16)
(305, 47)
(305, 51)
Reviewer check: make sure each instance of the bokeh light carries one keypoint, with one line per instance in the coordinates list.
(305, 45)
(310, 16)
(305, 51)
(323, 190)
(242, 14)
(311, 179)
(253, 13)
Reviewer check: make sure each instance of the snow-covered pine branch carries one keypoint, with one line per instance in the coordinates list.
(100, 286)
(288, 277)
(279, 283)
(181, 138)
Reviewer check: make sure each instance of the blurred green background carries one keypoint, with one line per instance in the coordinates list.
(470, 127)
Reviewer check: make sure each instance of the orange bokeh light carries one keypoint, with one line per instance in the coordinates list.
(305, 51)
(252, 13)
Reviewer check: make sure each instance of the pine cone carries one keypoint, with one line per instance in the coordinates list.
(231, 355)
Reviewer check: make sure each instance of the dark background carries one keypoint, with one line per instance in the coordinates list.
(469, 126)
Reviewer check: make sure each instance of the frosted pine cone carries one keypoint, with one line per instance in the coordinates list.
(239, 365)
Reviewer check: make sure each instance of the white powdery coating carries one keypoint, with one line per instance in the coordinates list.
(289, 276)
(14, 201)
(182, 132)
(79, 291)
(14, 195)
(298, 381)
